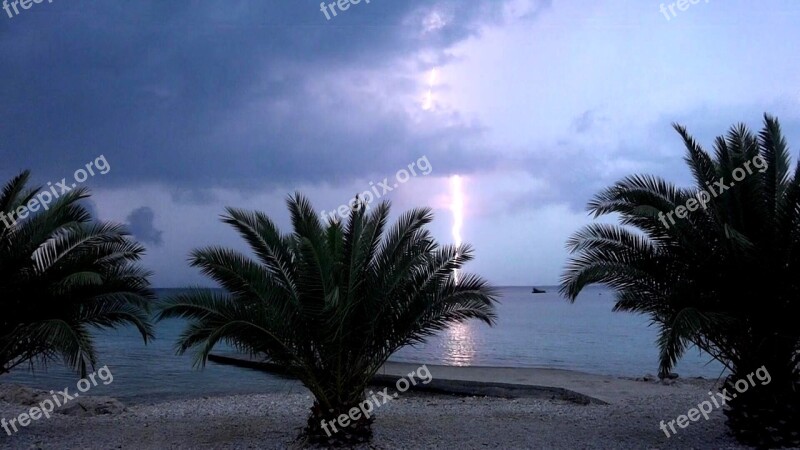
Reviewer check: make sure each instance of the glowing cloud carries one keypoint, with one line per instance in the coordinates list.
(427, 103)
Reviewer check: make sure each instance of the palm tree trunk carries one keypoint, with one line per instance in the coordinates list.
(766, 415)
(342, 424)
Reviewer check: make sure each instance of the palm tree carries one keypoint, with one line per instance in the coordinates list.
(62, 275)
(722, 275)
(330, 302)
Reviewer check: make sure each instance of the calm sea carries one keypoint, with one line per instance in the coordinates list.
(532, 330)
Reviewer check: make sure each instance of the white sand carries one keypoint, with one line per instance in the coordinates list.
(415, 420)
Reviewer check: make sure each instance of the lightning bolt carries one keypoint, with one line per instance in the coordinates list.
(457, 208)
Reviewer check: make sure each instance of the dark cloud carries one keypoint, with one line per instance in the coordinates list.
(140, 224)
(233, 94)
(585, 121)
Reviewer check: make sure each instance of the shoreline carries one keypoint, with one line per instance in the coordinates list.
(504, 382)
(492, 381)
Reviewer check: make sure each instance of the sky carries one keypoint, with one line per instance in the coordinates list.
(533, 106)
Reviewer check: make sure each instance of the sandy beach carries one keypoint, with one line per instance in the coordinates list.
(627, 416)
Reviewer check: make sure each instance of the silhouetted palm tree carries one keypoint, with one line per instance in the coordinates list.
(61, 275)
(721, 276)
(330, 302)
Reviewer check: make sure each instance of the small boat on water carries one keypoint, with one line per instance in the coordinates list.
(538, 291)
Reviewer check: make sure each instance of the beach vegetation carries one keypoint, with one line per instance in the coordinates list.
(331, 301)
(64, 274)
(722, 278)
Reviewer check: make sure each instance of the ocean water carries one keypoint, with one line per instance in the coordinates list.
(532, 330)
(545, 330)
